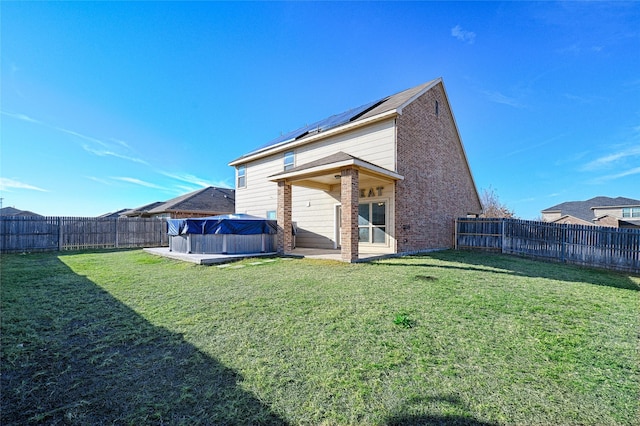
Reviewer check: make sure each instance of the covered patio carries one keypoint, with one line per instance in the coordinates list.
(323, 175)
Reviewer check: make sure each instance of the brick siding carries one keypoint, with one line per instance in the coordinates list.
(349, 183)
(437, 185)
(283, 216)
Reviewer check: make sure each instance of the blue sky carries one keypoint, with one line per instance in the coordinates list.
(110, 105)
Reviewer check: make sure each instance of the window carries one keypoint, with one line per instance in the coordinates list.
(289, 160)
(631, 212)
(271, 214)
(241, 180)
(437, 109)
(372, 222)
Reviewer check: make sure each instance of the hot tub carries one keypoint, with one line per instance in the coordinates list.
(226, 234)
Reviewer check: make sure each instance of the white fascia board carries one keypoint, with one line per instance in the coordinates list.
(331, 132)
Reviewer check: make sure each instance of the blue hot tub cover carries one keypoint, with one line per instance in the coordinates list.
(238, 224)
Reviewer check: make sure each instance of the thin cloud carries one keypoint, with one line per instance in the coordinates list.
(21, 117)
(7, 184)
(583, 99)
(106, 149)
(107, 153)
(96, 179)
(616, 176)
(191, 179)
(137, 182)
(499, 98)
(610, 159)
(534, 146)
(463, 35)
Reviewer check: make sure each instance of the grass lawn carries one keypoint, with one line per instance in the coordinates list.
(448, 338)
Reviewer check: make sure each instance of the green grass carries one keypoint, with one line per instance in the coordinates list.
(448, 338)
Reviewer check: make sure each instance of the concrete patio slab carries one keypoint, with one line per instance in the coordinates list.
(299, 252)
(204, 259)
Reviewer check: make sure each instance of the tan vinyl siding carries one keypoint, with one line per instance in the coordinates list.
(259, 195)
(373, 143)
(314, 210)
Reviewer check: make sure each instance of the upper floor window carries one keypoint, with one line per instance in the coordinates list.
(289, 160)
(631, 212)
(241, 176)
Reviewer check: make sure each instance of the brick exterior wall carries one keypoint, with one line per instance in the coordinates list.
(437, 185)
(349, 187)
(283, 217)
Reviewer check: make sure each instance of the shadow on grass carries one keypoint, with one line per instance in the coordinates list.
(73, 354)
(513, 265)
(404, 419)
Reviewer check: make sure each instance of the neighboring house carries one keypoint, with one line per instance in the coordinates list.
(617, 212)
(388, 177)
(114, 215)
(12, 211)
(142, 211)
(210, 201)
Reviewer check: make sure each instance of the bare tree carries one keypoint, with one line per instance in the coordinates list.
(492, 207)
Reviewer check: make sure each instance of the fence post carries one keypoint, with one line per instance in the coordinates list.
(563, 241)
(60, 234)
(455, 234)
(502, 237)
(115, 222)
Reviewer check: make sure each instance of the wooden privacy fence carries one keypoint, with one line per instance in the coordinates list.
(28, 234)
(610, 248)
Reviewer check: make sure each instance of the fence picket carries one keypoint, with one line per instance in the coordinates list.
(35, 233)
(611, 248)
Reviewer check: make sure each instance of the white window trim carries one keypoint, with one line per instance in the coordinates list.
(242, 167)
(387, 222)
(289, 155)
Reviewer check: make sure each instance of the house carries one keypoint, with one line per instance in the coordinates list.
(114, 215)
(13, 212)
(210, 201)
(387, 177)
(617, 212)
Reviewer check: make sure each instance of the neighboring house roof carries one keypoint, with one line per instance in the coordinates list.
(142, 210)
(206, 200)
(114, 214)
(584, 209)
(382, 108)
(567, 218)
(628, 223)
(12, 211)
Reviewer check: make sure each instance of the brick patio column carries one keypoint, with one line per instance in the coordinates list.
(283, 216)
(349, 192)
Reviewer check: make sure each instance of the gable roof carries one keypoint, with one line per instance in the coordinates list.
(12, 211)
(210, 199)
(584, 209)
(379, 109)
(142, 209)
(115, 214)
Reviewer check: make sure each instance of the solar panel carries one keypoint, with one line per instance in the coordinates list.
(322, 125)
